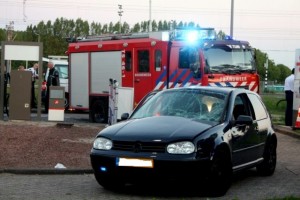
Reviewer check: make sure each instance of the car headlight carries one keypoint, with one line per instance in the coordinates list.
(181, 148)
(102, 143)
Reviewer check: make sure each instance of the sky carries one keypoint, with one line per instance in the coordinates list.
(273, 26)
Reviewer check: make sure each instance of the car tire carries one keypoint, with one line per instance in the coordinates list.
(108, 182)
(220, 174)
(267, 167)
(98, 112)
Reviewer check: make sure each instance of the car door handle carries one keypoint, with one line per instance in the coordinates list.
(137, 80)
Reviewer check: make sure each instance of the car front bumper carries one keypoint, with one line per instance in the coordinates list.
(164, 166)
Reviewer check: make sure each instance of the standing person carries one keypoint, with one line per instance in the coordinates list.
(34, 77)
(289, 95)
(52, 80)
(6, 81)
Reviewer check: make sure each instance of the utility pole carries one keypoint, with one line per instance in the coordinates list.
(10, 34)
(120, 14)
(24, 14)
(150, 20)
(231, 18)
(10, 30)
(266, 75)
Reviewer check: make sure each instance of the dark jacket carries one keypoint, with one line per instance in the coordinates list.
(53, 78)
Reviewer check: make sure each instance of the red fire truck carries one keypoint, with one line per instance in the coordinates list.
(155, 61)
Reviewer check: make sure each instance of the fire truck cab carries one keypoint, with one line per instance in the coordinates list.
(155, 61)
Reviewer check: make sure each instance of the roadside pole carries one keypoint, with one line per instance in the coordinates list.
(296, 101)
(112, 105)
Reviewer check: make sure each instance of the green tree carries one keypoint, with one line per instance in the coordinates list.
(275, 72)
(81, 28)
(104, 29)
(165, 26)
(2, 35)
(180, 24)
(111, 28)
(69, 28)
(154, 26)
(191, 25)
(125, 27)
(260, 63)
(284, 72)
(160, 25)
(116, 28)
(144, 26)
(136, 28)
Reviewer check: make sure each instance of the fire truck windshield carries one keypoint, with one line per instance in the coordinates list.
(230, 59)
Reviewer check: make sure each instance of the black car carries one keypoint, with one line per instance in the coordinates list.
(194, 133)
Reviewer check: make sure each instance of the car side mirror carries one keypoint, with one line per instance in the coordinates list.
(244, 120)
(124, 116)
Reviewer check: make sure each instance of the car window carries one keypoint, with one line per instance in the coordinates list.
(193, 104)
(259, 108)
(240, 106)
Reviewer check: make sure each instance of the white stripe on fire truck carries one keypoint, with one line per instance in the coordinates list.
(251, 85)
(158, 86)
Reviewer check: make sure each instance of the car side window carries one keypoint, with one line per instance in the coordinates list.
(240, 106)
(259, 109)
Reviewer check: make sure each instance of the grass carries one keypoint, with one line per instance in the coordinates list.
(275, 104)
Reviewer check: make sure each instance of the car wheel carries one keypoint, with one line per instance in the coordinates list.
(267, 167)
(220, 175)
(108, 182)
(99, 115)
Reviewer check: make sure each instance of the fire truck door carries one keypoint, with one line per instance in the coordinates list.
(142, 74)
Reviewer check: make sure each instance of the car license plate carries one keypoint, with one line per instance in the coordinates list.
(135, 162)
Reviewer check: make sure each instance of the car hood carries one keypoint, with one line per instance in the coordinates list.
(163, 128)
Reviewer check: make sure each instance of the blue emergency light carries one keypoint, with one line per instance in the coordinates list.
(193, 35)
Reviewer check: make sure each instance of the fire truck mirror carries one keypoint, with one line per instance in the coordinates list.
(254, 53)
(195, 68)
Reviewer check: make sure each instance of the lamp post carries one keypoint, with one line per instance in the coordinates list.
(120, 14)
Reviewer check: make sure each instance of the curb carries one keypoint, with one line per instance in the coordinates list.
(47, 171)
(286, 130)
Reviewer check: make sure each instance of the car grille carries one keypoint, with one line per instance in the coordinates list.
(138, 146)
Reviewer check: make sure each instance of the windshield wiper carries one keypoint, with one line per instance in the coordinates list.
(224, 69)
(248, 70)
(231, 71)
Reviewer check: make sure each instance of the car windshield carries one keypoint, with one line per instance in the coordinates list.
(195, 104)
(229, 59)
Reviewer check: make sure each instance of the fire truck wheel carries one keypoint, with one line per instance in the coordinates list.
(98, 112)
(66, 101)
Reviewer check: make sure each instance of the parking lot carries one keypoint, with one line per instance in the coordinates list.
(248, 185)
